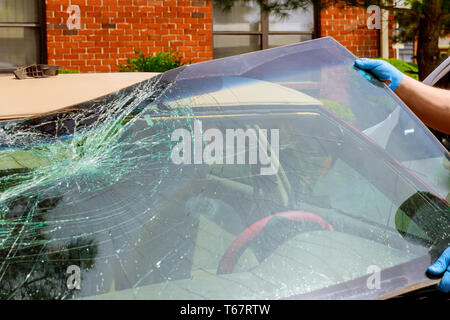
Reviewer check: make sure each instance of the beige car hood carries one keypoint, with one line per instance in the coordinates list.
(31, 97)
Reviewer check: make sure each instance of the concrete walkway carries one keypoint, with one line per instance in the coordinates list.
(30, 97)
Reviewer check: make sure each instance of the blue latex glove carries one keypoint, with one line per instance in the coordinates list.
(442, 265)
(381, 69)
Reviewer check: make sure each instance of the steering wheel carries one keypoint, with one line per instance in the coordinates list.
(228, 260)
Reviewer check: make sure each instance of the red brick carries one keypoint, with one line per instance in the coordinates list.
(78, 62)
(87, 68)
(102, 69)
(78, 50)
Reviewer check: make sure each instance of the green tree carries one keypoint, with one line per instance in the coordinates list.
(422, 20)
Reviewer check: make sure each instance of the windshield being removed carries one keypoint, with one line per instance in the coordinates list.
(283, 173)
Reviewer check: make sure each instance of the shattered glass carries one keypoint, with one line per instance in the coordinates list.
(140, 192)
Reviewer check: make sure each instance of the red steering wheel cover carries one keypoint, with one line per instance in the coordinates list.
(227, 262)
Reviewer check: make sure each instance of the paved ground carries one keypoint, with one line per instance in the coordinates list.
(28, 97)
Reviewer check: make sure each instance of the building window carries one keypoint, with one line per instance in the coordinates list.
(246, 28)
(22, 33)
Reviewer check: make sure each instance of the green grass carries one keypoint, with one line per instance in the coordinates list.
(61, 71)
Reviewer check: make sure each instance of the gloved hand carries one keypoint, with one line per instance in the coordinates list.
(381, 69)
(442, 265)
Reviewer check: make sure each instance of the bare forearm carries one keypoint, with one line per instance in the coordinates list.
(431, 105)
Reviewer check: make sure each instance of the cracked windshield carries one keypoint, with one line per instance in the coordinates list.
(262, 176)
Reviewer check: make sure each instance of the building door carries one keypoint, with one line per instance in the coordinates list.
(22, 33)
(246, 28)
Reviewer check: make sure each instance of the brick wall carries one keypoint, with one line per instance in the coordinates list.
(111, 30)
(348, 25)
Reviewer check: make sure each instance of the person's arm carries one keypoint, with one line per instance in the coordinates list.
(431, 105)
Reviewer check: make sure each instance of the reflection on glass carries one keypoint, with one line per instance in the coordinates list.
(277, 40)
(229, 45)
(101, 186)
(297, 20)
(19, 46)
(19, 11)
(244, 16)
